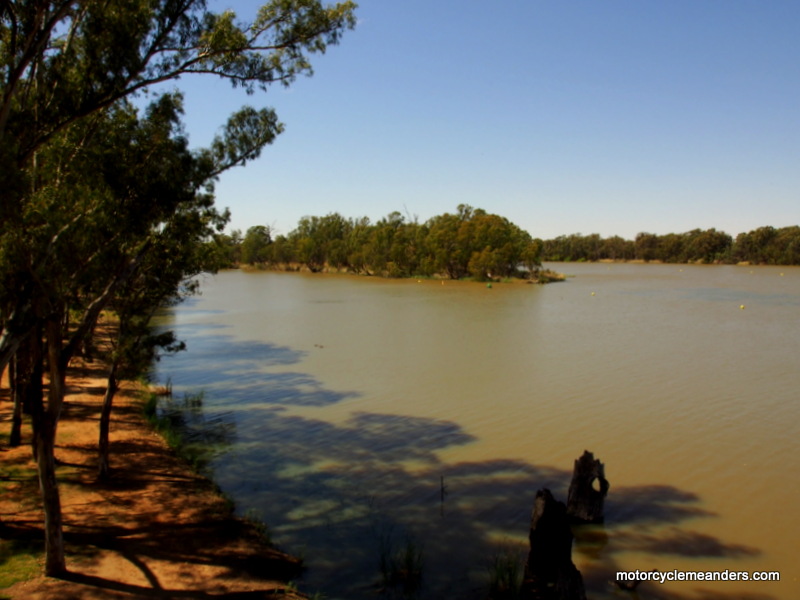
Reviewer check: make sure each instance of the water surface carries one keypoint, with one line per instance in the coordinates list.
(346, 404)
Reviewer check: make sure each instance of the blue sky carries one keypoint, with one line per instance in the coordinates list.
(610, 117)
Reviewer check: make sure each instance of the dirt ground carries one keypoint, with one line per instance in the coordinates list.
(156, 530)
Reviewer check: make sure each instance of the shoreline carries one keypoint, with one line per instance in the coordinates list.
(156, 529)
(545, 276)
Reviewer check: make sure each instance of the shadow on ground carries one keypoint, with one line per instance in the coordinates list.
(176, 535)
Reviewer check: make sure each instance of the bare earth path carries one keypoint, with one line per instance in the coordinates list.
(156, 530)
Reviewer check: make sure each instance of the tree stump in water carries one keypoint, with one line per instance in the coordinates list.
(550, 573)
(588, 490)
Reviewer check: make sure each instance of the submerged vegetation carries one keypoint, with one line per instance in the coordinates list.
(470, 243)
(402, 567)
(195, 437)
(505, 571)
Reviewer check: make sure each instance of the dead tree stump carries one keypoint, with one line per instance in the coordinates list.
(550, 573)
(587, 491)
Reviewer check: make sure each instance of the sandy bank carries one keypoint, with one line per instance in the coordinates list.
(156, 530)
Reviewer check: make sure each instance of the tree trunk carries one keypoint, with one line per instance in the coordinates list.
(588, 490)
(105, 421)
(44, 438)
(17, 327)
(15, 439)
(45, 423)
(550, 573)
(26, 383)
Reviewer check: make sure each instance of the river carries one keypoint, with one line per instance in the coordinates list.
(365, 418)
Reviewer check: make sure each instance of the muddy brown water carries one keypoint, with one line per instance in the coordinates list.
(366, 419)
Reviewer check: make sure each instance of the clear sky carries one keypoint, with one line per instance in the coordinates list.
(609, 117)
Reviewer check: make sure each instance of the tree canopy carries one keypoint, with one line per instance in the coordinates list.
(101, 202)
(765, 245)
(467, 243)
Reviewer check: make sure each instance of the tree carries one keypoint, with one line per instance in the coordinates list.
(165, 280)
(125, 219)
(228, 248)
(444, 246)
(255, 246)
(707, 246)
(358, 232)
(64, 61)
(90, 189)
(646, 245)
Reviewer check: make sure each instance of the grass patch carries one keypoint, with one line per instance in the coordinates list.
(19, 561)
(14, 475)
(506, 569)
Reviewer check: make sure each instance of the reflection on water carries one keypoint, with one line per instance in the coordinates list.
(365, 415)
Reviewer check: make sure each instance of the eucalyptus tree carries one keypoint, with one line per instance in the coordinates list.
(179, 253)
(174, 222)
(65, 61)
(256, 243)
(356, 244)
(90, 189)
(444, 245)
(133, 198)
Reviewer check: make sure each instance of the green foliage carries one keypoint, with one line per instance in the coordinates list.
(468, 243)
(765, 245)
(226, 249)
(64, 60)
(255, 246)
(104, 206)
(87, 181)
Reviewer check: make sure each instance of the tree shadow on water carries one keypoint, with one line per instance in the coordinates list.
(655, 521)
(234, 373)
(351, 496)
(346, 494)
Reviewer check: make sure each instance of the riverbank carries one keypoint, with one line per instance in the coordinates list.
(157, 529)
(543, 276)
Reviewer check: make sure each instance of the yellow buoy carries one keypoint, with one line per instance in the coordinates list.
(592, 293)
(741, 306)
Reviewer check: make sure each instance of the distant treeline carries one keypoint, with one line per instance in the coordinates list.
(474, 243)
(469, 243)
(765, 245)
